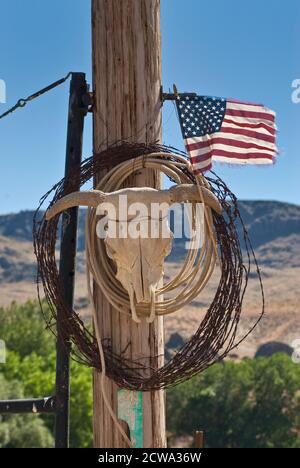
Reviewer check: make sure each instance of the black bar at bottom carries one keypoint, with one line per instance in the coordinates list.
(34, 405)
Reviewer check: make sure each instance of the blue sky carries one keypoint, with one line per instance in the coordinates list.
(245, 50)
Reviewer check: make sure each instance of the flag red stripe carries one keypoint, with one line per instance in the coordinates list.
(248, 125)
(236, 101)
(250, 114)
(228, 154)
(249, 133)
(224, 141)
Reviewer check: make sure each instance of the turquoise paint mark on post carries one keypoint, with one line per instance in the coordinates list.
(130, 410)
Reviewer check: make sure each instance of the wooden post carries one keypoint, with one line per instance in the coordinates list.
(199, 439)
(126, 85)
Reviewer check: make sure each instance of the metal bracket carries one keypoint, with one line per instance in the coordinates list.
(173, 96)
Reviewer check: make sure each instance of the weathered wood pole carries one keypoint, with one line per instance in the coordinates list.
(126, 86)
(199, 439)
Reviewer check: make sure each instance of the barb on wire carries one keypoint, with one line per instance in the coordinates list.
(22, 102)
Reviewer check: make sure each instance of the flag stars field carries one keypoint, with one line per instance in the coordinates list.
(227, 131)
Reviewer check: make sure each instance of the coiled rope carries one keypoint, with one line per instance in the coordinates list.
(196, 271)
(199, 262)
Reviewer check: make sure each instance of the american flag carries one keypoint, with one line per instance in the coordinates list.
(225, 130)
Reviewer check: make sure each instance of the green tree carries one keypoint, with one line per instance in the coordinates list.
(254, 403)
(23, 329)
(31, 364)
(21, 431)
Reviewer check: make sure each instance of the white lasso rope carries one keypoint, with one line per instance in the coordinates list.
(193, 276)
(199, 262)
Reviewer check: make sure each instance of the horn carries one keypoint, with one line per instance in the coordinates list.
(90, 198)
(190, 192)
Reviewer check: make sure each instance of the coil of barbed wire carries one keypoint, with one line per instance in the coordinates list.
(216, 335)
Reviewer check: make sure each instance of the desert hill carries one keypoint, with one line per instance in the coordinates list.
(274, 228)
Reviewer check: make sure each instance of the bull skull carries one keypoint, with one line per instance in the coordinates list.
(139, 259)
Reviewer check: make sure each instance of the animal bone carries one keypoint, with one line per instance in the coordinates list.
(139, 258)
(176, 194)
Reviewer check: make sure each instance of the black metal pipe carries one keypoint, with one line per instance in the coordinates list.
(76, 114)
(34, 405)
(173, 97)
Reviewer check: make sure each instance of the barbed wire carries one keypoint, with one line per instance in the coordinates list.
(23, 101)
(218, 330)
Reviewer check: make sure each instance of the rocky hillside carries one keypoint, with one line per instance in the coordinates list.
(274, 229)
